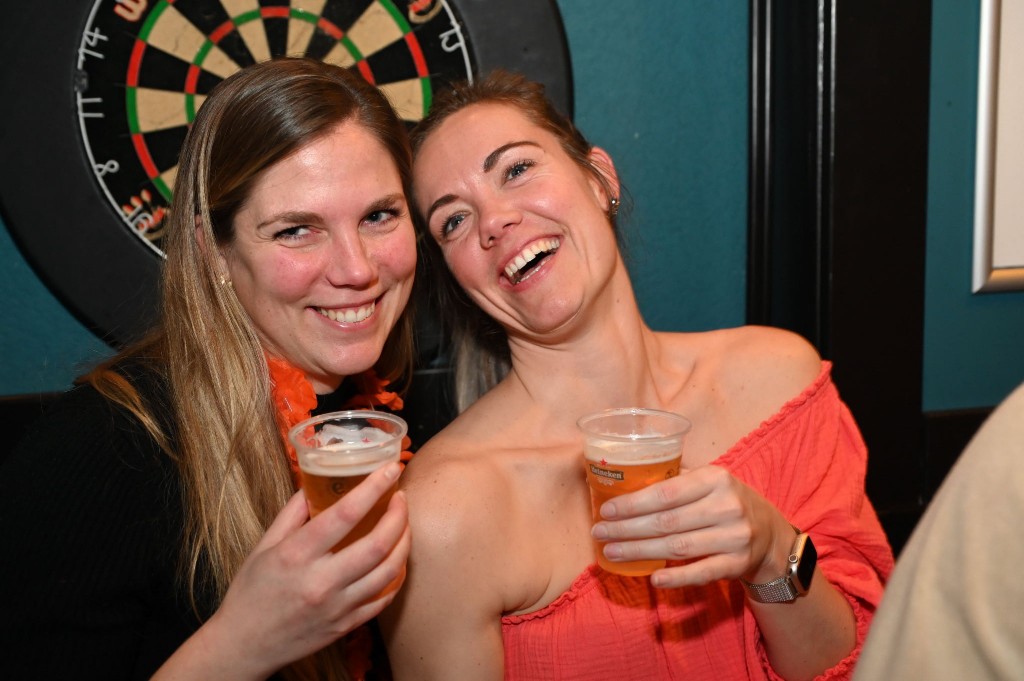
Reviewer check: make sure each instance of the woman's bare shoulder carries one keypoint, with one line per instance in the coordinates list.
(456, 491)
(758, 368)
(788, 351)
(761, 349)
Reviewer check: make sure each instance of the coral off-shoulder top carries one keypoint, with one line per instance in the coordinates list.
(809, 460)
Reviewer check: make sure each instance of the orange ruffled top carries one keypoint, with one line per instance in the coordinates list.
(809, 460)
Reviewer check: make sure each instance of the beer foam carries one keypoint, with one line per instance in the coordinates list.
(350, 437)
(342, 459)
(337, 450)
(632, 453)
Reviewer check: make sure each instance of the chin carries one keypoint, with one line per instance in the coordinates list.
(351, 365)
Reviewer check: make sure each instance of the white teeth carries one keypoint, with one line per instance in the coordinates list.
(528, 254)
(349, 316)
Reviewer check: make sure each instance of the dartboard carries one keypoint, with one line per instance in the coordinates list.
(98, 99)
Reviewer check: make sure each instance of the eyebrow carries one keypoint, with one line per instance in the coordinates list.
(487, 166)
(385, 202)
(290, 216)
(492, 158)
(308, 217)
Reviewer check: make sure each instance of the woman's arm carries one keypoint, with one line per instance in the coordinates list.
(726, 530)
(446, 621)
(804, 468)
(293, 596)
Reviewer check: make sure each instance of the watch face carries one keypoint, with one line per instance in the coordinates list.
(99, 96)
(808, 559)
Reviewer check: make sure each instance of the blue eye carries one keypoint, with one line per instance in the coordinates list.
(517, 169)
(379, 216)
(292, 232)
(452, 223)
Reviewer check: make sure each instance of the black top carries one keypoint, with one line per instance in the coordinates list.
(90, 521)
(91, 532)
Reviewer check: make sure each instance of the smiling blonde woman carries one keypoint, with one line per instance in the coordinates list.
(151, 520)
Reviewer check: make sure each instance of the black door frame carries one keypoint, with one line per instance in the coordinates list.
(839, 101)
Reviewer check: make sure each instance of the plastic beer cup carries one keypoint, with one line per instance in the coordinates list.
(337, 451)
(626, 450)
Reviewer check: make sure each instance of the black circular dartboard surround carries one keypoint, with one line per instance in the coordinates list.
(97, 96)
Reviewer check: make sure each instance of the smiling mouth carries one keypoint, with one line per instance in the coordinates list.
(349, 316)
(523, 264)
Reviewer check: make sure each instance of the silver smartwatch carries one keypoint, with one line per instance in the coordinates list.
(799, 569)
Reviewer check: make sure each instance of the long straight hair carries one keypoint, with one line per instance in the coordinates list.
(234, 470)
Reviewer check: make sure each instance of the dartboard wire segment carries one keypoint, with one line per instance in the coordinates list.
(144, 69)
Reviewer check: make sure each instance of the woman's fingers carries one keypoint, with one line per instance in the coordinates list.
(288, 519)
(705, 516)
(335, 522)
(733, 540)
(378, 588)
(690, 517)
(685, 488)
(696, 573)
(376, 560)
(293, 595)
(692, 500)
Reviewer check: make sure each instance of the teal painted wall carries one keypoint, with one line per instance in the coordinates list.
(43, 347)
(662, 87)
(974, 343)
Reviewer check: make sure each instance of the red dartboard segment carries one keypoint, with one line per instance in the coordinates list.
(192, 79)
(218, 34)
(144, 157)
(329, 28)
(275, 12)
(417, 55)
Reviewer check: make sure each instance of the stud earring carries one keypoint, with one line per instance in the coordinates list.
(613, 206)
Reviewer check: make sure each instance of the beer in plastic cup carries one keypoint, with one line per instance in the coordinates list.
(626, 450)
(339, 450)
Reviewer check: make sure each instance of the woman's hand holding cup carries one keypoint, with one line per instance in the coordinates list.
(295, 595)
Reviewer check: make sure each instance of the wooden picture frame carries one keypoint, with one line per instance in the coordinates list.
(998, 263)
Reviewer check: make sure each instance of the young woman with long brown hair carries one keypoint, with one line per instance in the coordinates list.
(518, 215)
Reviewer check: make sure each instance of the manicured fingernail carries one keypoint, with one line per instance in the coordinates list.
(613, 551)
(608, 510)
(599, 532)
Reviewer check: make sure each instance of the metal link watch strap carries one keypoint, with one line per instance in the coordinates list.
(779, 590)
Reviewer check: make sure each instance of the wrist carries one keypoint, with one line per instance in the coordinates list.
(776, 557)
(212, 652)
(794, 581)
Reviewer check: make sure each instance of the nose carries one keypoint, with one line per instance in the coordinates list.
(350, 261)
(495, 220)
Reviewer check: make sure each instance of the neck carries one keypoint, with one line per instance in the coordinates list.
(610, 361)
(324, 385)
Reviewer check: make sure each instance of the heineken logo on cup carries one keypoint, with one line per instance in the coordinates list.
(606, 473)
